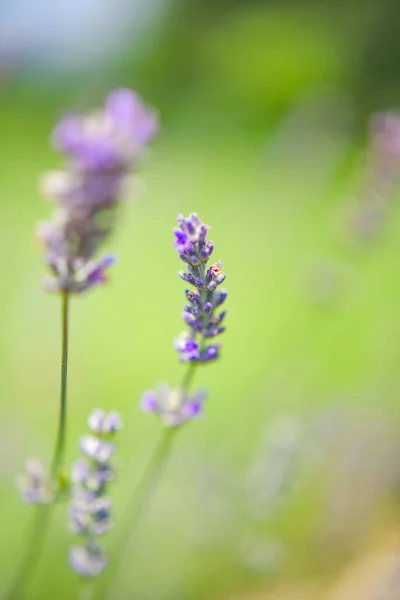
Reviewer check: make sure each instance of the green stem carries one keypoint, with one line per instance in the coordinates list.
(58, 456)
(138, 502)
(32, 553)
(42, 518)
(143, 492)
(85, 591)
(187, 380)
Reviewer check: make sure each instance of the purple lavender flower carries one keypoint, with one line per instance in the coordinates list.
(200, 314)
(90, 509)
(89, 560)
(187, 347)
(210, 353)
(101, 149)
(90, 516)
(127, 111)
(108, 139)
(173, 406)
(190, 240)
(93, 476)
(101, 422)
(385, 133)
(34, 484)
(96, 449)
(182, 243)
(371, 210)
(193, 228)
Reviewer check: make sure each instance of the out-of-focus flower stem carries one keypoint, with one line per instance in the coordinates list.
(86, 589)
(187, 380)
(141, 495)
(41, 519)
(58, 457)
(31, 555)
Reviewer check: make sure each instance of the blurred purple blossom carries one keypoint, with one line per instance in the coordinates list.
(34, 484)
(89, 560)
(173, 406)
(90, 508)
(101, 149)
(372, 208)
(110, 139)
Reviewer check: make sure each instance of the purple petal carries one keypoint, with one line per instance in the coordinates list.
(192, 409)
(108, 261)
(149, 402)
(182, 242)
(67, 134)
(112, 422)
(95, 420)
(98, 275)
(128, 112)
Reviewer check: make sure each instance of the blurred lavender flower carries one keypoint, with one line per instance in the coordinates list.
(101, 149)
(89, 560)
(384, 172)
(90, 508)
(96, 449)
(101, 422)
(175, 406)
(34, 484)
(109, 139)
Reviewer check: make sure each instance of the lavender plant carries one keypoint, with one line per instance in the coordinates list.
(90, 508)
(101, 149)
(384, 150)
(196, 347)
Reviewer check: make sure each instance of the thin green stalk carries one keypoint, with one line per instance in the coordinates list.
(41, 520)
(149, 479)
(142, 493)
(85, 591)
(58, 456)
(187, 380)
(32, 552)
(136, 506)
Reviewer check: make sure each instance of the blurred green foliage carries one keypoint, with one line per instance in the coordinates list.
(261, 137)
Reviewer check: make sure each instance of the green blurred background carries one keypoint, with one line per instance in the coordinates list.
(292, 475)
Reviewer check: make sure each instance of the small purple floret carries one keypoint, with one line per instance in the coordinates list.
(173, 406)
(182, 243)
(188, 348)
(149, 402)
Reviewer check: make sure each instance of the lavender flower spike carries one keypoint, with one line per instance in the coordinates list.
(90, 508)
(175, 406)
(101, 149)
(200, 314)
